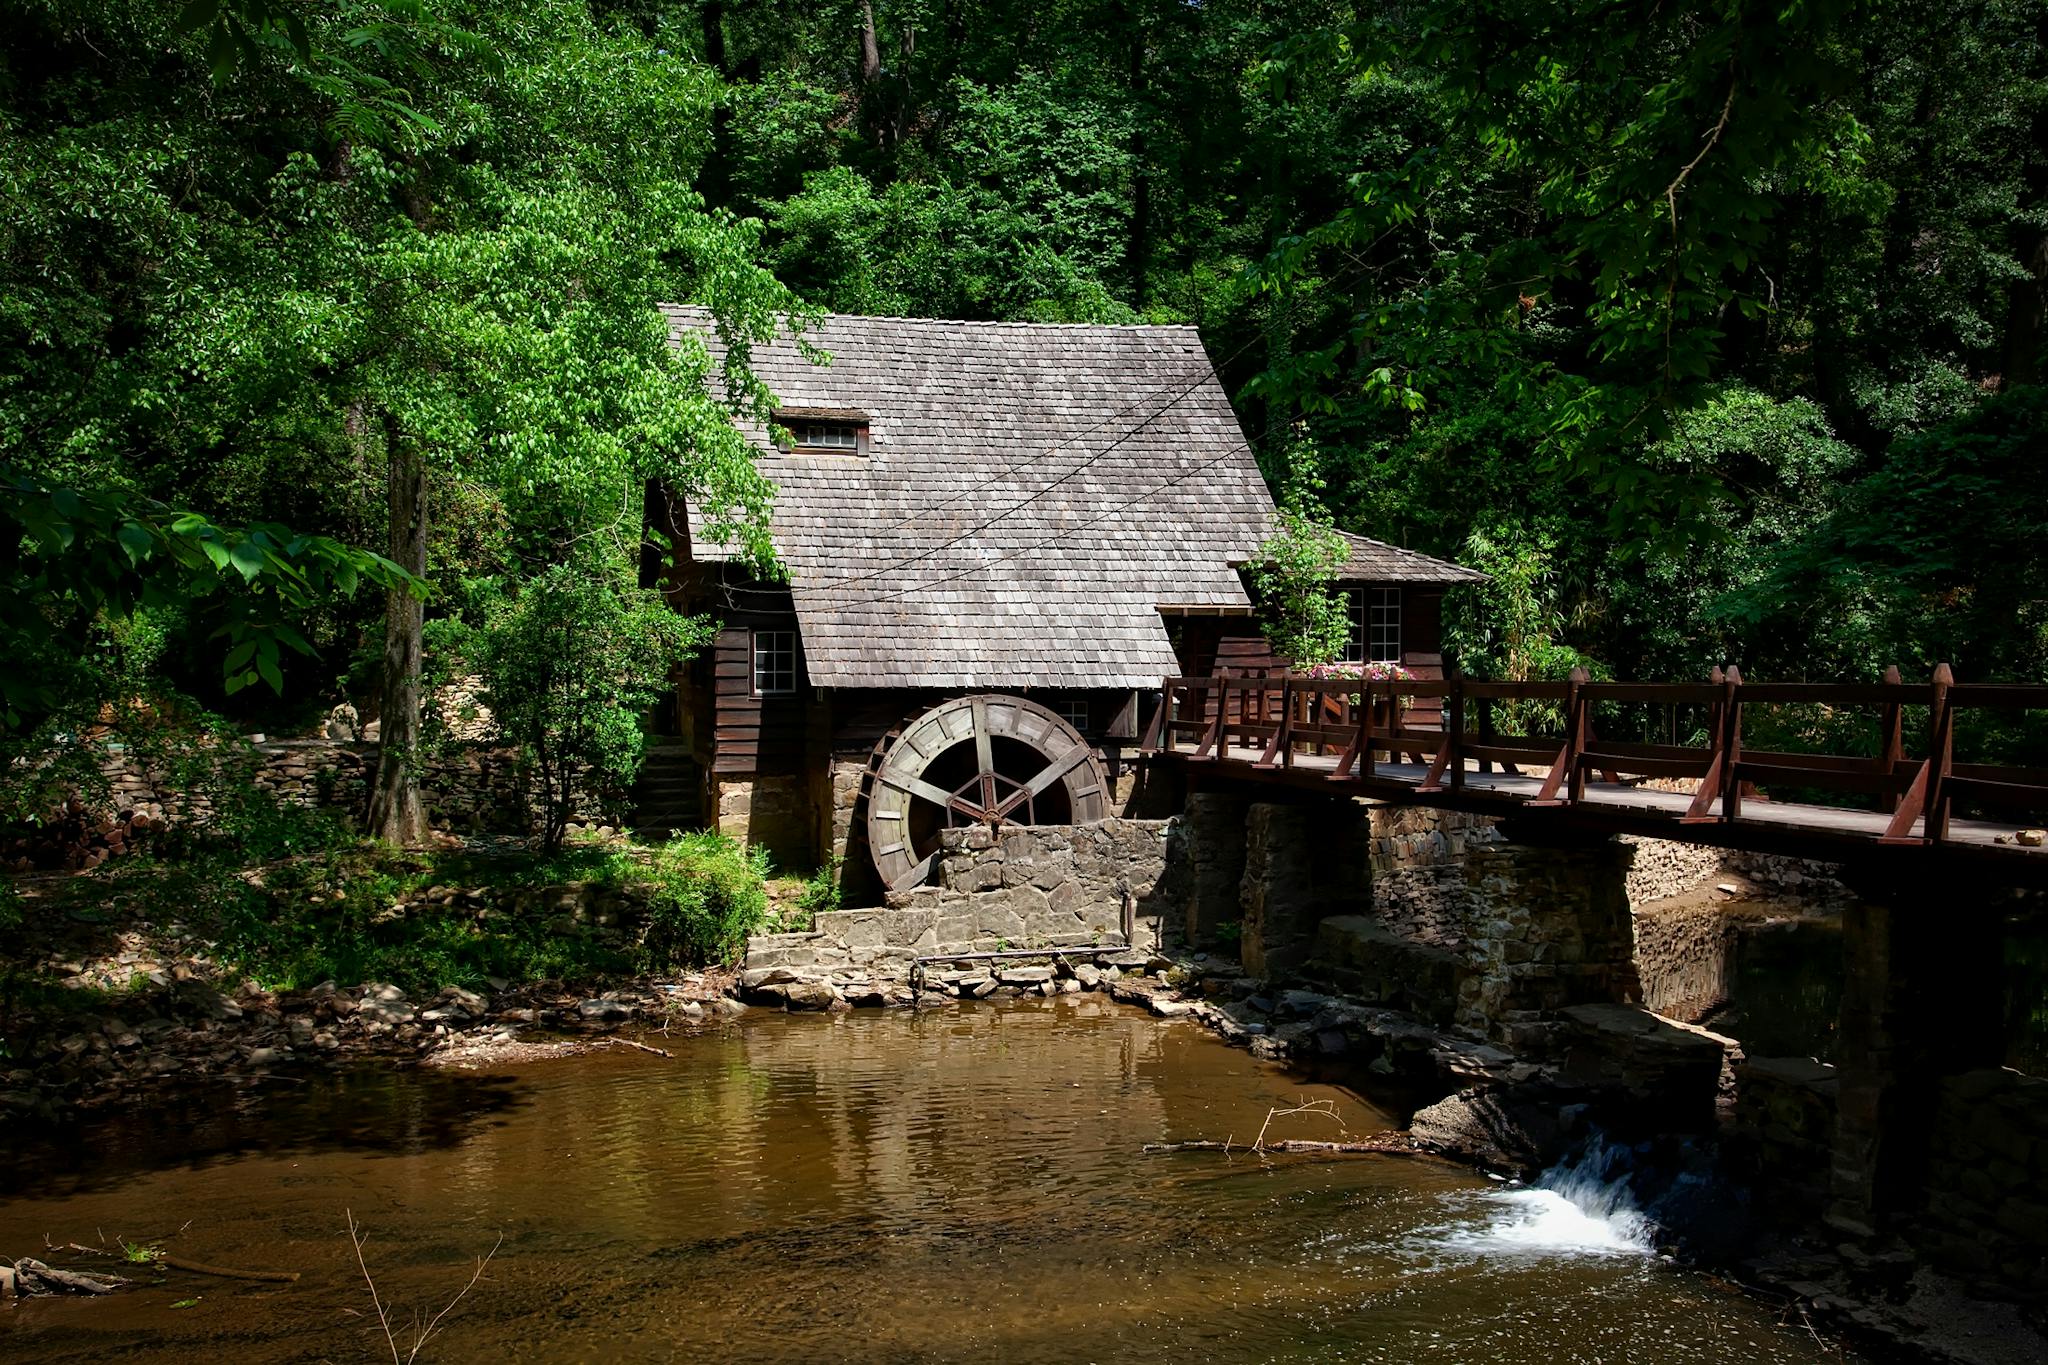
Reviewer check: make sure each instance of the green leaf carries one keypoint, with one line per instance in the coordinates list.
(136, 540)
(266, 664)
(248, 558)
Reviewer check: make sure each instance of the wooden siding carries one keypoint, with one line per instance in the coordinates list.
(755, 734)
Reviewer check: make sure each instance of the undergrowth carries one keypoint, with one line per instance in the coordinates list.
(324, 908)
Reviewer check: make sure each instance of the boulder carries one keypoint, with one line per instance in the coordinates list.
(1494, 1129)
(810, 995)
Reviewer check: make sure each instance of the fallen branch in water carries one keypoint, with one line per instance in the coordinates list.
(30, 1276)
(420, 1335)
(628, 1042)
(224, 1272)
(1385, 1144)
(1398, 1144)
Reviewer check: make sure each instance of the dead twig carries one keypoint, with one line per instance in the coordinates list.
(628, 1042)
(225, 1272)
(1382, 1144)
(421, 1335)
(1321, 1108)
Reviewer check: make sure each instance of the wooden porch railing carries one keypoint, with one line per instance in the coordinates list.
(1283, 717)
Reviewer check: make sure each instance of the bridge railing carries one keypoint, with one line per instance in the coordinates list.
(1282, 717)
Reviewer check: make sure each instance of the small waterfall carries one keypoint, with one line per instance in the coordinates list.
(1580, 1207)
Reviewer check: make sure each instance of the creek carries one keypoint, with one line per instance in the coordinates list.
(956, 1185)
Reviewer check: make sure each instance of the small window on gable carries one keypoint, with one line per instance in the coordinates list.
(1072, 710)
(830, 432)
(774, 662)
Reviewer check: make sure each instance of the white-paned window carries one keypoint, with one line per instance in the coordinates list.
(1072, 710)
(774, 662)
(1375, 626)
(839, 437)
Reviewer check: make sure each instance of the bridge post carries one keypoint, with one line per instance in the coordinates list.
(1549, 928)
(1303, 862)
(1920, 1003)
(1213, 830)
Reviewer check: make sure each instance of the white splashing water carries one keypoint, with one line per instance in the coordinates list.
(1571, 1211)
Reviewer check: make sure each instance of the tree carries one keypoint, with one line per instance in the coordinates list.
(237, 290)
(1291, 577)
(570, 664)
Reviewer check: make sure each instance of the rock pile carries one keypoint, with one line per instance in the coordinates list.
(75, 838)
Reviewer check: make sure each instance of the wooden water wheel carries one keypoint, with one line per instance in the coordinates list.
(992, 760)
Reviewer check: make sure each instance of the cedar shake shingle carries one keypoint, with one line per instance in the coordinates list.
(1032, 494)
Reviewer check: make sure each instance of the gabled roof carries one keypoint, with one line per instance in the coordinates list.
(1032, 495)
(1375, 561)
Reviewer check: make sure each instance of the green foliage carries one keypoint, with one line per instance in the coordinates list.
(706, 895)
(821, 889)
(333, 915)
(1935, 556)
(1291, 576)
(91, 561)
(570, 664)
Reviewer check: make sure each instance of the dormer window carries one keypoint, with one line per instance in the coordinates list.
(825, 431)
(826, 436)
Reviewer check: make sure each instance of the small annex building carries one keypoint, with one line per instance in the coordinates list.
(1000, 538)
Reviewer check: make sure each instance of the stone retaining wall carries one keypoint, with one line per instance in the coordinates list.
(1987, 1183)
(1685, 957)
(466, 786)
(1782, 1136)
(1039, 886)
(1554, 932)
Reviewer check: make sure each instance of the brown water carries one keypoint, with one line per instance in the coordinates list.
(873, 1187)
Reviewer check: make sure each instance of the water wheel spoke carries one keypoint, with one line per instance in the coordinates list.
(1051, 773)
(938, 796)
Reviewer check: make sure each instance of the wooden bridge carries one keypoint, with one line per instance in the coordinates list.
(1442, 743)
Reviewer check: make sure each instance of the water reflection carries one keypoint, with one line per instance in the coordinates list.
(949, 1186)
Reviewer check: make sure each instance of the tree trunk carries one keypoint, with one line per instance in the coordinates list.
(1141, 184)
(396, 812)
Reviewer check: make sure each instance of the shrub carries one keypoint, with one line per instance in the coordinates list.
(570, 665)
(1307, 622)
(821, 890)
(706, 895)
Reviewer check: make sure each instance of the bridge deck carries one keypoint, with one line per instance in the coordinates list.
(1823, 832)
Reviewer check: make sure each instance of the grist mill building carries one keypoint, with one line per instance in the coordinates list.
(1000, 538)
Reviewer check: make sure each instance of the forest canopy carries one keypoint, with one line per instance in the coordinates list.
(1713, 333)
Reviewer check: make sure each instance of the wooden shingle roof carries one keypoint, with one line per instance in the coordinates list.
(1031, 496)
(1375, 561)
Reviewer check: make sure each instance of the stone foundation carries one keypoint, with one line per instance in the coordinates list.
(1555, 933)
(1031, 887)
(1685, 957)
(1300, 866)
(465, 786)
(771, 812)
(1985, 1217)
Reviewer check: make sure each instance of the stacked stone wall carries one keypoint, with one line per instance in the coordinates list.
(1986, 1214)
(1554, 932)
(1783, 1133)
(1032, 885)
(465, 786)
(1300, 866)
(776, 812)
(1029, 887)
(1685, 957)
